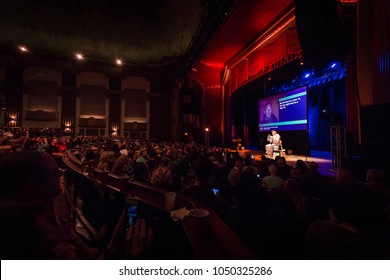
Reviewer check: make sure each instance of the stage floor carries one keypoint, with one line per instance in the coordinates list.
(324, 161)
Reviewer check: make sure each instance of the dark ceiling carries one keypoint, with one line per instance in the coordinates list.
(137, 31)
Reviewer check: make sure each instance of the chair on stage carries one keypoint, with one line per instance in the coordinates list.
(275, 151)
(278, 150)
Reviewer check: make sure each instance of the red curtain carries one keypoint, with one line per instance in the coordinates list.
(242, 73)
(293, 45)
(275, 50)
(282, 49)
(255, 62)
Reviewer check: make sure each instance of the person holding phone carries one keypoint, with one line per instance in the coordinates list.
(133, 243)
(31, 227)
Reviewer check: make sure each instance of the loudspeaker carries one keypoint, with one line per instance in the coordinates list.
(356, 165)
(374, 121)
(193, 97)
(322, 34)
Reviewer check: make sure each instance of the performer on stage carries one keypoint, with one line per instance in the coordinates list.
(274, 144)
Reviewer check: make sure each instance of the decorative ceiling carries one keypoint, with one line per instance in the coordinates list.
(136, 31)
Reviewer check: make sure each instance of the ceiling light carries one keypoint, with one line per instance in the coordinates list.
(79, 56)
(23, 49)
(118, 61)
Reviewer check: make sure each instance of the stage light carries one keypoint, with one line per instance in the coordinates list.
(307, 75)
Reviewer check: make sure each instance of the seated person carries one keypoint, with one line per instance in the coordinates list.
(202, 190)
(30, 226)
(106, 158)
(275, 141)
(122, 166)
(162, 177)
(354, 229)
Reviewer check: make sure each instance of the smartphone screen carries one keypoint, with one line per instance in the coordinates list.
(215, 190)
(132, 213)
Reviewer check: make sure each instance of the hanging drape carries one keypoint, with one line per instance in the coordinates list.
(278, 51)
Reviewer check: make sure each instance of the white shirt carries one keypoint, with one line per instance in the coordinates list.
(276, 139)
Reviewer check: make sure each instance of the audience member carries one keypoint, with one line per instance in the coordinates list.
(301, 167)
(353, 230)
(272, 181)
(122, 166)
(106, 158)
(234, 174)
(31, 228)
(317, 189)
(283, 168)
(266, 229)
(344, 177)
(202, 190)
(162, 178)
(375, 180)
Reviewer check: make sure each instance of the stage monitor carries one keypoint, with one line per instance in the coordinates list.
(284, 111)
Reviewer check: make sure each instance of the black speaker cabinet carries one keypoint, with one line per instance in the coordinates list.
(322, 34)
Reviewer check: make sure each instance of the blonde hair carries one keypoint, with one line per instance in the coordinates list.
(120, 163)
(162, 177)
(105, 158)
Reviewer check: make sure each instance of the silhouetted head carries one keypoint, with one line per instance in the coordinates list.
(29, 179)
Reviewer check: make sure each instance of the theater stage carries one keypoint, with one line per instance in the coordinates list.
(323, 159)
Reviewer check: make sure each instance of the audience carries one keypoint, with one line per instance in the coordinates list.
(202, 190)
(280, 211)
(353, 230)
(265, 228)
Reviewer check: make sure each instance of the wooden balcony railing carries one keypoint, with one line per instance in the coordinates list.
(210, 238)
